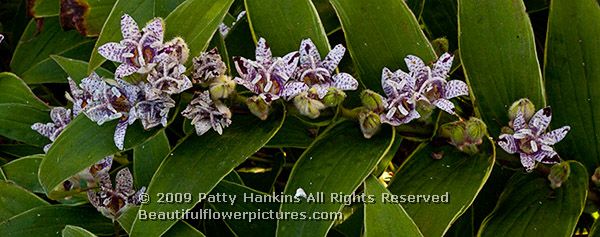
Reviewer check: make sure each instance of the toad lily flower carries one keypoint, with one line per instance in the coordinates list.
(88, 175)
(154, 110)
(209, 69)
(400, 104)
(138, 50)
(167, 78)
(319, 74)
(436, 89)
(530, 140)
(206, 113)
(268, 75)
(105, 102)
(112, 202)
(60, 118)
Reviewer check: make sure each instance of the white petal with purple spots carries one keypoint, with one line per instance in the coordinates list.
(455, 88)
(540, 120)
(507, 143)
(442, 66)
(129, 28)
(263, 52)
(444, 105)
(344, 81)
(334, 57)
(555, 136)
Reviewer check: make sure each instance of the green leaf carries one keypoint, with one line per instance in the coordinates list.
(31, 59)
(455, 180)
(51, 220)
(73, 150)
(197, 36)
(246, 227)
(77, 69)
(15, 200)
(148, 156)
(19, 150)
(498, 54)
(76, 231)
(162, 8)
(24, 172)
(337, 162)
(14, 90)
(294, 133)
(86, 16)
(16, 121)
(181, 228)
(43, 8)
(594, 231)
(573, 77)
(200, 162)
(440, 19)
(529, 207)
(384, 218)
(327, 15)
(284, 24)
(380, 33)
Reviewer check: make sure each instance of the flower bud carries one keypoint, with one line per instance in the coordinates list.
(308, 106)
(440, 45)
(258, 107)
(525, 106)
(559, 173)
(369, 123)
(334, 97)
(221, 87)
(596, 177)
(372, 101)
(475, 130)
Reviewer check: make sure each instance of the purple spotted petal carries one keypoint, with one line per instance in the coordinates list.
(119, 136)
(129, 28)
(455, 88)
(508, 143)
(290, 63)
(444, 105)
(547, 157)
(388, 75)
(125, 70)
(519, 121)
(540, 120)
(414, 63)
(263, 52)
(293, 88)
(321, 90)
(309, 55)
(156, 27)
(555, 136)
(113, 51)
(442, 66)
(344, 81)
(124, 182)
(528, 162)
(334, 57)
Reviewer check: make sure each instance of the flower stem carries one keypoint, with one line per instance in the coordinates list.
(350, 113)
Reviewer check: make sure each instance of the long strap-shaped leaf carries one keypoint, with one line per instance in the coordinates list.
(497, 50)
(456, 179)
(335, 164)
(529, 207)
(573, 77)
(284, 24)
(200, 162)
(380, 33)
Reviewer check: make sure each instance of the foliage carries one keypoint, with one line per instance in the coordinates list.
(299, 118)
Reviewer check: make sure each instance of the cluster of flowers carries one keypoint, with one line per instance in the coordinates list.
(411, 95)
(301, 76)
(526, 135)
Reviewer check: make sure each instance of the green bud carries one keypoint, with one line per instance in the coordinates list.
(371, 100)
(596, 177)
(475, 130)
(221, 87)
(369, 123)
(440, 45)
(308, 106)
(470, 149)
(559, 173)
(506, 130)
(258, 107)
(457, 135)
(425, 109)
(525, 106)
(334, 97)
